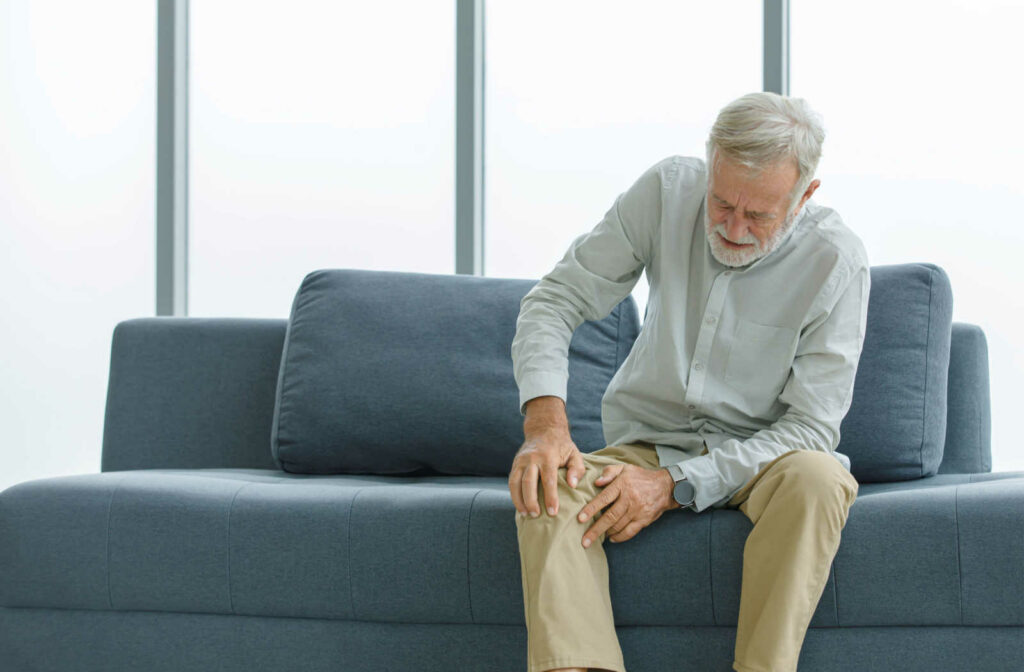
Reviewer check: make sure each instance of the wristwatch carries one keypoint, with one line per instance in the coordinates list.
(683, 492)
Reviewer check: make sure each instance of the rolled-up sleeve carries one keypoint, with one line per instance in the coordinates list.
(818, 393)
(599, 269)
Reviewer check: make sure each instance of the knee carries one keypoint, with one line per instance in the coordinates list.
(570, 499)
(820, 476)
(568, 493)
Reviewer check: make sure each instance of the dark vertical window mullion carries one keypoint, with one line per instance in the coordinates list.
(469, 136)
(172, 158)
(776, 46)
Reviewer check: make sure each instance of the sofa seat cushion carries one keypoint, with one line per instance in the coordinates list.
(945, 550)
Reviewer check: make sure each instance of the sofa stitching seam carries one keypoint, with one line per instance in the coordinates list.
(711, 568)
(351, 593)
(110, 507)
(231, 506)
(469, 582)
(959, 567)
(927, 353)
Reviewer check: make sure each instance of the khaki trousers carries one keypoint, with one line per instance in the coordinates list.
(798, 504)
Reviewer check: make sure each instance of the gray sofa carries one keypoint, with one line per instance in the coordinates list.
(375, 531)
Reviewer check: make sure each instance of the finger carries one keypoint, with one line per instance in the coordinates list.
(619, 525)
(515, 481)
(530, 489)
(603, 499)
(577, 468)
(631, 531)
(549, 475)
(607, 519)
(610, 472)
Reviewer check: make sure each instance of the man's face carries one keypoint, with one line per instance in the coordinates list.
(746, 215)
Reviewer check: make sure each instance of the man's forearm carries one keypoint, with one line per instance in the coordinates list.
(543, 413)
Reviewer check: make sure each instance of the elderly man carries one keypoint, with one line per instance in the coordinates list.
(731, 397)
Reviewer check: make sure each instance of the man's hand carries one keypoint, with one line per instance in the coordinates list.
(637, 496)
(548, 447)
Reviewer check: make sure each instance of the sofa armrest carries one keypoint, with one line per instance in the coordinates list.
(968, 447)
(191, 393)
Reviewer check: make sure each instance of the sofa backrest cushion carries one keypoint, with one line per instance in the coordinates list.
(388, 372)
(896, 427)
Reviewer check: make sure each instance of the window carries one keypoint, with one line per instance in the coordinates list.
(77, 192)
(921, 156)
(320, 137)
(581, 102)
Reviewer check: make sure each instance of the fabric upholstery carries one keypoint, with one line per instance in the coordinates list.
(405, 373)
(56, 640)
(945, 550)
(896, 426)
(968, 446)
(198, 392)
(193, 550)
(191, 392)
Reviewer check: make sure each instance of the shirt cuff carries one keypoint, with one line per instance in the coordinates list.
(706, 482)
(540, 384)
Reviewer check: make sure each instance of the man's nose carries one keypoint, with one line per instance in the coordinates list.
(735, 227)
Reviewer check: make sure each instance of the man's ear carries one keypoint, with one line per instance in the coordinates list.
(811, 188)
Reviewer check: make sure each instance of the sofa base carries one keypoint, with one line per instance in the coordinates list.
(57, 640)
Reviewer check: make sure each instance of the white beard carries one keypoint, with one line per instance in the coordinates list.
(734, 258)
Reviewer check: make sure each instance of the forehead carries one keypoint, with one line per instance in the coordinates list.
(732, 181)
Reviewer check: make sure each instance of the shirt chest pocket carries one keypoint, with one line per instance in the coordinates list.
(760, 359)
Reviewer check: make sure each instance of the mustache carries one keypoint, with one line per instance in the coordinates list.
(748, 239)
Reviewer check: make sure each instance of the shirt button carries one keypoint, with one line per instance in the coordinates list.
(710, 320)
(727, 273)
(698, 366)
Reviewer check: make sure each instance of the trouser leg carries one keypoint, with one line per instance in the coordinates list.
(799, 504)
(569, 618)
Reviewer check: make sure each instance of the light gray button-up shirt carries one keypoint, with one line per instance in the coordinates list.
(753, 361)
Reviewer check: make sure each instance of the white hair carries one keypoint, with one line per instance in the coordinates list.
(761, 129)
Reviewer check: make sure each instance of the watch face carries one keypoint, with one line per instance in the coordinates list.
(684, 492)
